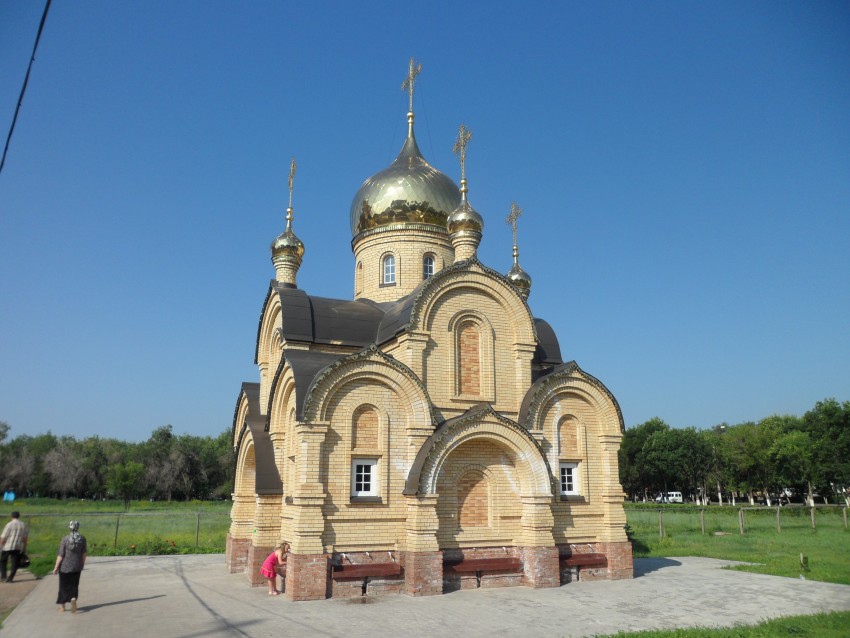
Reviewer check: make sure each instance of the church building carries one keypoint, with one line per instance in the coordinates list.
(426, 435)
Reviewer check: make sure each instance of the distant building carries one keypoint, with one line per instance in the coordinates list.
(427, 435)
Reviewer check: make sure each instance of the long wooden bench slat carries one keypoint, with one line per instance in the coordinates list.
(482, 564)
(584, 560)
(367, 569)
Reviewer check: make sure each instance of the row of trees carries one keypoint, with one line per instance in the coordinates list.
(776, 457)
(166, 466)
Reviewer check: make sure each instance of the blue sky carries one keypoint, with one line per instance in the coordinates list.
(684, 169)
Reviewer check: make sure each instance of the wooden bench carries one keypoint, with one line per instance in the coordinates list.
(475, 565)
(363, 570)
(574, 562)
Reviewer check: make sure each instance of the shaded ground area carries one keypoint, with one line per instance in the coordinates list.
(194, 597)
(11, 594)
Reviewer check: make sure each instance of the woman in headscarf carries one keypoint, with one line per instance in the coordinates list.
(69, 564)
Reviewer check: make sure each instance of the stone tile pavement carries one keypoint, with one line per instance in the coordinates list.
(195, 597)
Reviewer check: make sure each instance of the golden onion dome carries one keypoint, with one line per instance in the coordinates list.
(409, 191)
(519, 278)
(287, 243)
(464, 218)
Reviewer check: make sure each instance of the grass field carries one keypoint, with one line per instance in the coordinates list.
(827, 548)
(196, 527)
(835, 625)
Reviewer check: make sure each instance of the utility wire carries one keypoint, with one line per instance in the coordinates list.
(24, 87)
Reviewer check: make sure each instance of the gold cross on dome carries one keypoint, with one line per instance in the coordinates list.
(412, 71)
(459, 149)
(292, 167)
(516, 212)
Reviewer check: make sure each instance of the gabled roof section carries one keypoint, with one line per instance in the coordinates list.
(267, 476)
(305, 365)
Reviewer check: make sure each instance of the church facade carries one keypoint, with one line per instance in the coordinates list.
(426, 435)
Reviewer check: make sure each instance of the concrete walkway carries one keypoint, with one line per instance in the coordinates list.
(194, 597)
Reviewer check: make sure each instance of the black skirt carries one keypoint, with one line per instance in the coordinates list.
(69, 587)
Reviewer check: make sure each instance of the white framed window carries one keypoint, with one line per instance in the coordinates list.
(389, 269)
(427, 266)
(569, 479)
(364, 477)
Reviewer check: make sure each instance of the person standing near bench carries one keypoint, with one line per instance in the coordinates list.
(69, 565)
(13, 543)
(274, 566)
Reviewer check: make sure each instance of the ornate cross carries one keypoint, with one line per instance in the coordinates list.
(292, 167)
(516, 212)
(412, 71)
(459, 149)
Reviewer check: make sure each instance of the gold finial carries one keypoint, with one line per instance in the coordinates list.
(516, 213)
(292, 167)
(412, 71)
(459, 149)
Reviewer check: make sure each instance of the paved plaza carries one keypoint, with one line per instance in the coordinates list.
(194, 597)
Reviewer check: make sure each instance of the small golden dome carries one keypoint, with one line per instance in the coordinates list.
(287, 243)
(521, 279)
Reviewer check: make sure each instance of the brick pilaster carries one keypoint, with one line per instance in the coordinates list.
(540, 567)
(256, 556)
(236, 554)
(423, 573)
(307, 577)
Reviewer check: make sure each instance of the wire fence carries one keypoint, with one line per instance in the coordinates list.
(735, 520)
(144, 531)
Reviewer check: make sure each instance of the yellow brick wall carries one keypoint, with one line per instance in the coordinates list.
(409, 247)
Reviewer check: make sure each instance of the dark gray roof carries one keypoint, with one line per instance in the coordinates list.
(267, 477)
(323, 320)
(548, 348)
(305, 364)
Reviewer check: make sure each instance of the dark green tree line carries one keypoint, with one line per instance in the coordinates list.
(164, 467)
(778, 457)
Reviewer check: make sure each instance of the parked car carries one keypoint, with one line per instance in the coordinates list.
(670, 497)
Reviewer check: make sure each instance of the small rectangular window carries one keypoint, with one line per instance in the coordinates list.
(389, 269)
(427, 267)
(569, 479)
(364, 477)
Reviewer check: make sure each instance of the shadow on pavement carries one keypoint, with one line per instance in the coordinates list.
(88, 608)
(645, 566)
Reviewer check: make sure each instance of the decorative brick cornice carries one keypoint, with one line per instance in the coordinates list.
(458, 270)
(374, 354)
(426, 466)
(543, 389)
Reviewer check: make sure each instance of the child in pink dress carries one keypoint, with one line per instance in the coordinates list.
(275, 564)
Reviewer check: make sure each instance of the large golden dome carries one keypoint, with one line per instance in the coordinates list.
(409, 191)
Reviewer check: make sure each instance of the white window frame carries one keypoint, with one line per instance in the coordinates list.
(565, 490)
(388, 265)
(429, 265)
(372, 464)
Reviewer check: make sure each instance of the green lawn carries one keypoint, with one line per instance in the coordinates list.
(835, 625)
(827, 548)
(197, 527)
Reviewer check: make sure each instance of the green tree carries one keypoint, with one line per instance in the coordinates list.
(828, 426)
(125, 480)
(634, 473)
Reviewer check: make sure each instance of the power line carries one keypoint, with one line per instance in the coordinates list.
(24, 87)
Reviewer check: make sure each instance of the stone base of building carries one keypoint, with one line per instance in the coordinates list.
(541, 567)
(236, 554)
(308, 577)
(256, 556)
(423, 573)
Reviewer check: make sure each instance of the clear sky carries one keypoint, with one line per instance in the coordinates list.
(684, 169)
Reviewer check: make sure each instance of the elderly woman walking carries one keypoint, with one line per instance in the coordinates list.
(69, 564)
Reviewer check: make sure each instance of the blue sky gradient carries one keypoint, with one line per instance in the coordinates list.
(684, 170)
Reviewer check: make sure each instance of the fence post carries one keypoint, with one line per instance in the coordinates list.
(813, 518)
(117, 523)
(660, 523)
(702, 520)
(778, 521)
(845, 518)
(741, 520)
(198, 529)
